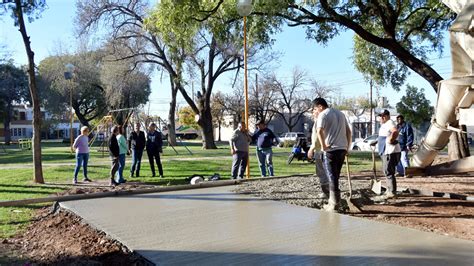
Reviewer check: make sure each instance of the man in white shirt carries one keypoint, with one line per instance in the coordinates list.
(389, 151)
(334, 134)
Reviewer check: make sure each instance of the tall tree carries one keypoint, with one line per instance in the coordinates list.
(85, 88)
(32, 9)
(125, 86)
(13, 88)
(415, 107)
(263, 98)
(233, 104)
(218, 112)
(211, 47)
(125, 29)
(293, 101)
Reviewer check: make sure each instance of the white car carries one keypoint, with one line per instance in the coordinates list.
(292, 136)
(364, 144)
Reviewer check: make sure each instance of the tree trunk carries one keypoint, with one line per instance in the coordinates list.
(172, 118)
(219, 128)
(82, 119)
(205, 122)
(6, 123)
(37, 164)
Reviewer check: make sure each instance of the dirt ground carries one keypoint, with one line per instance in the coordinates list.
(62, 238)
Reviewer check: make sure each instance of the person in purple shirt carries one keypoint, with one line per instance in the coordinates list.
(81, 145)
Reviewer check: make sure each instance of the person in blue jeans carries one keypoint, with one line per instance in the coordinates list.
(81, 145)
(122, 142)
(265, 139)
(405, 139)
(136, 145)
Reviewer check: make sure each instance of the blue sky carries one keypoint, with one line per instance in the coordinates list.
(331, 64)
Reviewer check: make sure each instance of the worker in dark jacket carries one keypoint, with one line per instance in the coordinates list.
(154, 146)
(114, 154)
(405, 139)
(136, 145)
(265, 139)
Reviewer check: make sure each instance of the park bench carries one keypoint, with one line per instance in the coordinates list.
(24, 144)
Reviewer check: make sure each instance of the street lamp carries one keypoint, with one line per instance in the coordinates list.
(244, 8)
(69, 70)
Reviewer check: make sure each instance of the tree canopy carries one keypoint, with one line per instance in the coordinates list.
(405, 30)
(415, 107)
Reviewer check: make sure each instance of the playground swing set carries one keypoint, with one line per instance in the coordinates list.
(102, 130)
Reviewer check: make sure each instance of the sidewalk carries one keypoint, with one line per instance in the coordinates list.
(217, 227)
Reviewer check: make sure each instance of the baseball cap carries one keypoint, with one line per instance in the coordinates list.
(384, 113)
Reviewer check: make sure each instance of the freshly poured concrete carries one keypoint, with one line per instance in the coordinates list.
(217, 227)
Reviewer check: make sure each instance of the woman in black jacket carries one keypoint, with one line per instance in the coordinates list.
(114, 154)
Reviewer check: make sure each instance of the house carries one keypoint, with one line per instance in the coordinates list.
(21, 125)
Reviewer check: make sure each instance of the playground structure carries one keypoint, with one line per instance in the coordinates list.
(455, 98)
(102, 131)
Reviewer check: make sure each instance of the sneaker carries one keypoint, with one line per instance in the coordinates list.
(122, 181)
(86, 180)
(399, 175)
(408, 176)
(131, 175)
(74, 181)
(162, 176)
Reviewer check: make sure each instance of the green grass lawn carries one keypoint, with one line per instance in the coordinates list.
(17, 173)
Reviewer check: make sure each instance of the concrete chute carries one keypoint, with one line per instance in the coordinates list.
(455, 95)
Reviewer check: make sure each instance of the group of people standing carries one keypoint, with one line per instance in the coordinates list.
(119, 147)
(331, 141)
(239, 147)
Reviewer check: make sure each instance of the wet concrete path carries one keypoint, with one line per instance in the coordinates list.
(214, 226)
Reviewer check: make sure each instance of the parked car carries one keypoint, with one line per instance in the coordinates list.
(182, 132)
(291, 136)
(364, 144)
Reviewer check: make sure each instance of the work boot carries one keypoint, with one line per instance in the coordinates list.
(392, 185)
(385, 196)
(325, 191)
(332, 202)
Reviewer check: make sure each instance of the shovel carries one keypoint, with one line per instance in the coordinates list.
(350, 204)
(375, 183)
